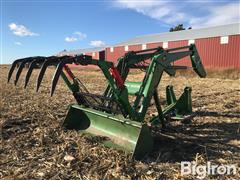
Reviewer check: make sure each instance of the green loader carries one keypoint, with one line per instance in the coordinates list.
(111, 115)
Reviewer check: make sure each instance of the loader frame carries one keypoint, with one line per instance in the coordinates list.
(111, 114)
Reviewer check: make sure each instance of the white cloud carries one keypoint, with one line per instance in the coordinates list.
(162, 10)
(80, 35)
(20, 30)
(77, 36)
(18, 43)
(225, 14)
(97, 43)
(191, 13)
(71, 39)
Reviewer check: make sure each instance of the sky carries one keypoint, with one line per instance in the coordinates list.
(45, 27)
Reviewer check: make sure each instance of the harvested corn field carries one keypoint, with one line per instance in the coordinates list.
(35, 146)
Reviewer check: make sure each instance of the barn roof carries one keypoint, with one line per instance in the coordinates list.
(224, 30)
(81, 51)
(216, 31)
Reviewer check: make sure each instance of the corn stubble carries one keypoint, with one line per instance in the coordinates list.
(35, 146)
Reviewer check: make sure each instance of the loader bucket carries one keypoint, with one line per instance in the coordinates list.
(118, 132)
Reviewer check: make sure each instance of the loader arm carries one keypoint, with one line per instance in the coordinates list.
(160, 61)
(159, 64)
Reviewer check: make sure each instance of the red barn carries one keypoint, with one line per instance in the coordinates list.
(219, 47)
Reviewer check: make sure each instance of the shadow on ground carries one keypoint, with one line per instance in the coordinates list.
(182, 142)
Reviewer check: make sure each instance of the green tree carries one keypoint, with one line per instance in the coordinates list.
(179, 27)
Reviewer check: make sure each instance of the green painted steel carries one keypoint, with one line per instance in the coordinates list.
(133, 87)
(181, 106)
(196, 62)
(116, 131)
(72, 86)
(177, 107)
(184, 104)
(120, 95)
(170, 96)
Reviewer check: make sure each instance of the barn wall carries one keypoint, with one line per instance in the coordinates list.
(182, 62)
(135, 47)
(221, 56)
(154, 45)
(117, 52)
(214, 55)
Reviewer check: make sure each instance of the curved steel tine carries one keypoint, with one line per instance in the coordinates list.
(22, 65)
(20, 68)
(14, 64)
(50, 61)
(30, 69)
(56, 76)
(41, 73)
(58, 73)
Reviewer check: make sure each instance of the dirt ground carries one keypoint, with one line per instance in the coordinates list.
(35, 146)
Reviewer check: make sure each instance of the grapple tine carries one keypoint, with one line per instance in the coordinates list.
(58, 73)
(20, 68)
(14, 64)
(41, 74)
(30, 69)
(49, 62)
(19, 71)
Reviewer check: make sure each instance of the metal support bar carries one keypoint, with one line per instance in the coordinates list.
(171, 57)
(159, 109)
(170, 96)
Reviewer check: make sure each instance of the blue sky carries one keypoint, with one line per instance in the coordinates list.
(41, 27)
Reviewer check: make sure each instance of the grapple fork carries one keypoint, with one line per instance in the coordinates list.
(35, 63)
(21, 64)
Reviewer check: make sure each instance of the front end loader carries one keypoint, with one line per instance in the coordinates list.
(111, 115)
